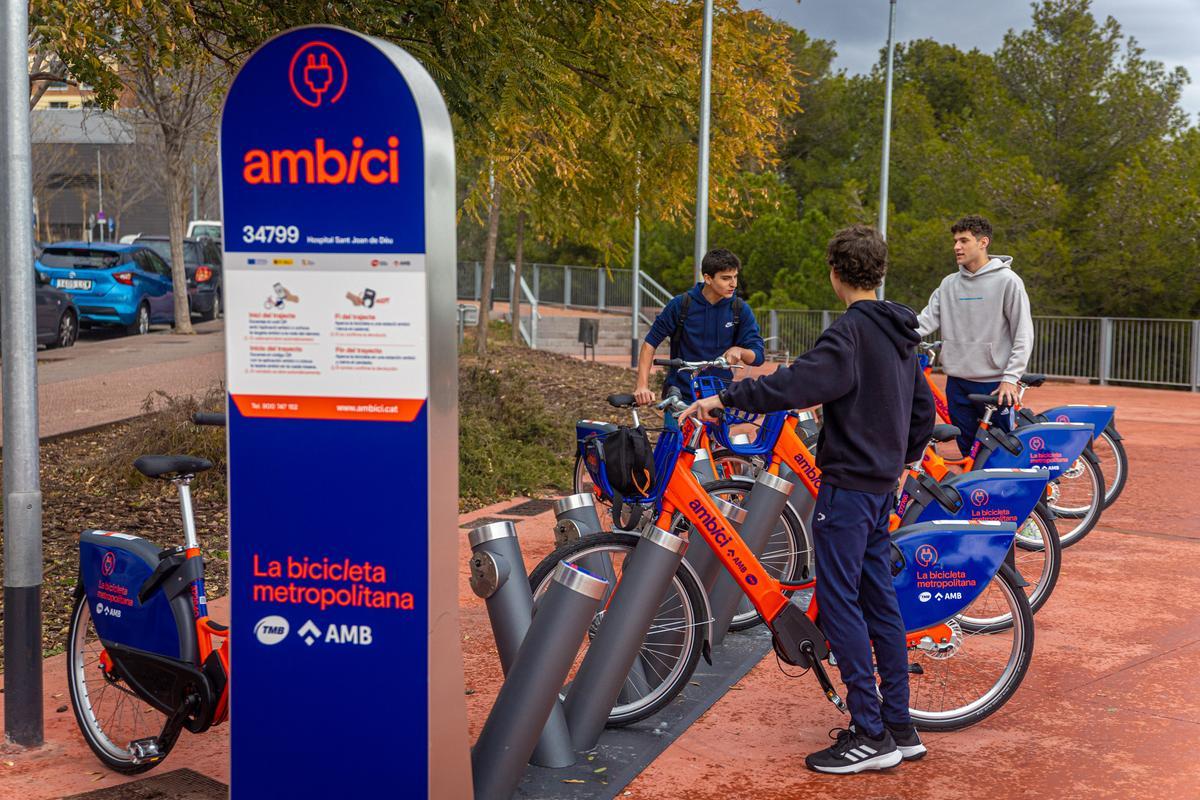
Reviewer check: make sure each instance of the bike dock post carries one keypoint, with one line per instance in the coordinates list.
(702, 558)
(764, 505)
(626, 622)
(534, 679)
(498, 576)
(577, 517)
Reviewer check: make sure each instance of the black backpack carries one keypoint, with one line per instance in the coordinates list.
(629, 467)
(677, 334)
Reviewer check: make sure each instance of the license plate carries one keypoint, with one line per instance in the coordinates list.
(72, 283)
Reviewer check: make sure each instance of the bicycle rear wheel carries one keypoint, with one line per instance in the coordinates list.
(1114, 464)
(1038, 556)
(668, 655)
(957, 684)
(110, 715)
(1077, 498)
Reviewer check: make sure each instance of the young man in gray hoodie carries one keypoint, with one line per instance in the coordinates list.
(987, 329)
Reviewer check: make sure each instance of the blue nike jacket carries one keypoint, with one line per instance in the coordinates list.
(708, 331)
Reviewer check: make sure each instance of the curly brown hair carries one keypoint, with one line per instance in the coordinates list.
(858, 256)
(974, 224)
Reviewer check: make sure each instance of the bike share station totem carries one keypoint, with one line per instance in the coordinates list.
(337, 167)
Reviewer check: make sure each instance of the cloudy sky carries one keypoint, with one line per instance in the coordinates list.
(1169, 30)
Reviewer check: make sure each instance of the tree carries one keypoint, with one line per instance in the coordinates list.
(50, 162)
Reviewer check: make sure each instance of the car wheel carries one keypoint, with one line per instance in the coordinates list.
(68, 330)
(141, 323)
(215, 311)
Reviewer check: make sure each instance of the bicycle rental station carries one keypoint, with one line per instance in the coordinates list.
(338, 193)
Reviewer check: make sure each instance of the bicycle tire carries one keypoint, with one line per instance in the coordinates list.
(693, 605)
(1079, 523)
(994, 698)
(1051, 563)
(1120, 471)
(87, 696)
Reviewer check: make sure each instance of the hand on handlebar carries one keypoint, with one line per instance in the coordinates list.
(1007, 393)
(704, 409)
(643, 396)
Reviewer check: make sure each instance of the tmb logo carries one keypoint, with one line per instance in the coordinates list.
(927, 555)
(271, 630)
(317, 74)
(979, 497)
(1037, 443)
(108, 564)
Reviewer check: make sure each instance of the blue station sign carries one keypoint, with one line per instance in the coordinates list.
(337, 186)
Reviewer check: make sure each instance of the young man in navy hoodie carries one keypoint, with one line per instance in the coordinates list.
(705, 322)
(878, 416)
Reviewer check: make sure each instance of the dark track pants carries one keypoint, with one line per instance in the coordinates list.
(963, 413)
(858, 603)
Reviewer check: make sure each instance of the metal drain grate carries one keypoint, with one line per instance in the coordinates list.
(180, 784)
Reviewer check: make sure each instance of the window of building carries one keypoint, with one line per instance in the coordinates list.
(59, 104)
(57, 86)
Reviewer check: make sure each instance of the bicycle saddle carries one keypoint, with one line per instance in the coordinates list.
(621, 401)
(166, 466)
(944, 433)
(982, 400)
(1033, 379)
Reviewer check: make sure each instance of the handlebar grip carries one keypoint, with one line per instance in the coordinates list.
(216, 418)
(668, 362)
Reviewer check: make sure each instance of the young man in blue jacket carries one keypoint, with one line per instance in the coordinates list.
(707, 321)
(878, 416)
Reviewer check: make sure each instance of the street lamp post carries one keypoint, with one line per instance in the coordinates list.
(23, 723)
(702, 169)
(887, 133)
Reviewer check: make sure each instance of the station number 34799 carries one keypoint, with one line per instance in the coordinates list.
(266, 234)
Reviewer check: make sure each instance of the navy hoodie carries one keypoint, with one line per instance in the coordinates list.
(708, 332)
(878, 411)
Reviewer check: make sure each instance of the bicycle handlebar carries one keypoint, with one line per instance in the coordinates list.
(216, 418)
(695, 366)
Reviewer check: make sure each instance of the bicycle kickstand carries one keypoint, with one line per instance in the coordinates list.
(823, 678)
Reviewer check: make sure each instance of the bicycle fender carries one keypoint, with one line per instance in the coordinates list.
(706, 629)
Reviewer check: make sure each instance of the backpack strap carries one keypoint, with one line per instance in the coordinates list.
(677, 334)
(737, 317)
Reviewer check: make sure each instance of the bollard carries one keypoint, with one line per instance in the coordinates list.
(498, 576)
(537, 674)
(764, 506)
(577, 517)
(701, 557)
(626, 622)
(703, 467)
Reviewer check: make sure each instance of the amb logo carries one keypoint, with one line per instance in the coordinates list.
(927, 555)
(317, 74)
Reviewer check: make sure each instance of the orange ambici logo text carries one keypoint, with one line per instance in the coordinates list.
(323, 164)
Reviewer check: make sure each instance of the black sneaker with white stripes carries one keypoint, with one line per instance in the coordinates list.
(908, 742)
(854, 752)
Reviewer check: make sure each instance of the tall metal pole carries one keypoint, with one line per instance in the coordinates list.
(702, 169)
(195, 194)
(887, 135)
(18, 343)
(634, 344)
(99, 195)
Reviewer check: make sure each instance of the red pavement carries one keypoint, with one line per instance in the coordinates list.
(1110, 707)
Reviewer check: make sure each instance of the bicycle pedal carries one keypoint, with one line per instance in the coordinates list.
(144, 750)
(837, 701)
(915, 669)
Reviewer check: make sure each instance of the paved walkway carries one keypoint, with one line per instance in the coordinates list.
(1110, 707)
(106, 376)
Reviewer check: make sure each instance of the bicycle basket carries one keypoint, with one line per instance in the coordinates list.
(768, 425)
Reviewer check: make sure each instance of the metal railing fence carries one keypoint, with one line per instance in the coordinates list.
(1144, 352)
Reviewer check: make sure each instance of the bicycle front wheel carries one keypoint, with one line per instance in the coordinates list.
(956, 684)
(110, 714)
(1038, 556)
(668, 655)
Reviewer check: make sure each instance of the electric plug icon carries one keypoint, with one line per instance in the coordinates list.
(317, 75)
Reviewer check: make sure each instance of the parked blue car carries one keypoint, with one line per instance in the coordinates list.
(112, 284)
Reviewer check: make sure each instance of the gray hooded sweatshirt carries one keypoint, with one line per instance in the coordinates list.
(987, 329)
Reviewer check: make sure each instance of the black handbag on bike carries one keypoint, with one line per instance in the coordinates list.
(629, 467)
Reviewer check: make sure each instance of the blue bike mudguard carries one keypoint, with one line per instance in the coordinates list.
(947, 564)
(1052, 445)
(1099, 417)
(997, 495)
(112, 568)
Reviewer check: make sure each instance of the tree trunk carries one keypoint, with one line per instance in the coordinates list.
(515, 300)
(175, 182)
(489, 272)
